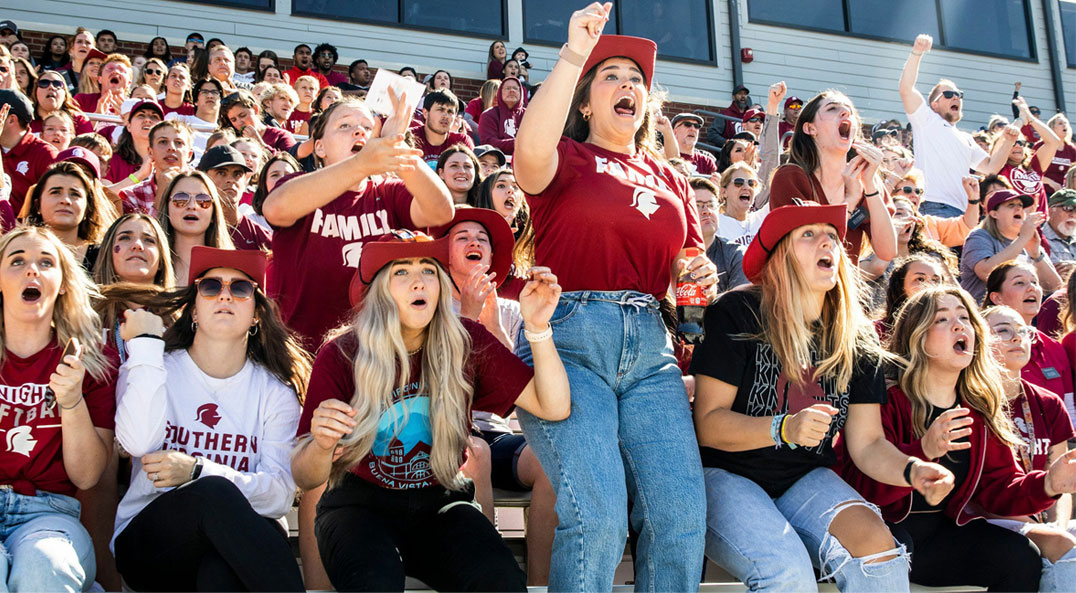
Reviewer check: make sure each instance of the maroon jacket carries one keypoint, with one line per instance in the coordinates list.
(995, 484)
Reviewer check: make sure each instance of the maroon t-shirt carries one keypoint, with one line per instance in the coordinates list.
(612, 221)
(296, 120)
(703, 163)
(183, 109)
(400, 456)
(431, 153)
(315, 258)
(278, 139)
(25, 163)
(119, 169)
(249, 236)
(82, 124)
(1026, 181)
(87, 102)
(32, 456)
(1050, 422)
(1049, 367)
(1064, 158)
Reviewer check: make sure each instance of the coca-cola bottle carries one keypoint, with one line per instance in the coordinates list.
(690, 303)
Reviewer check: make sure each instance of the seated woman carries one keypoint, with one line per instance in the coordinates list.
(210, 405)
(912, 238)
(1044, 427)
(500, 192)
(948, 405)
(737, 220)
(458, 169)
(1016, 285)
(386, 421)
(910, 275)
(785, 366)
(191, 214)
(60, 406)
(74, 207)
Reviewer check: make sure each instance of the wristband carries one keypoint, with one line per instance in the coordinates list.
(908, 471)
(871, 195)
(133, 178)
(196, 470)
(541, 336)
(784, 437)
(979, 201)
(572, 57)
(775, 429)
(1042, 256)
(74, 405)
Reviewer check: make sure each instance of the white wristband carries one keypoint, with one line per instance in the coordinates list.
(541, 336)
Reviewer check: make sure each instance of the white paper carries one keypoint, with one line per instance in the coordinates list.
(378, 98)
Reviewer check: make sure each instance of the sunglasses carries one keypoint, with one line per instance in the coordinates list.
(951, 94)
(739, 182)
(690, 124)
(1066, 209)
(46, 83)
(754, 120)
(1019, 143)
(210, 288)
(154, 72)
(1006, 333)
(911, 190)
(1034, 111)
(181, 199)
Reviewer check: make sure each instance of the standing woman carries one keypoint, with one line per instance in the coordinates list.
(58, 429)
(785, 367)
(227, 370)
(587, 159)
(152, 74)
(158, 48)
(458, 169)
(498, 53)
(50, 94)
(177, 91)
(818, 170)
(1024, 167)
(499, 124)
(73, 206)
(1064, 158)
(386, 423)
(192, 216)
(53, 54)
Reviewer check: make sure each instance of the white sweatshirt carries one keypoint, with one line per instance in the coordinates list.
(243, 427)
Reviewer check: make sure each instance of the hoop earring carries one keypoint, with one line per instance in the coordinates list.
(253, 331)
(194, 327)
(586, 116)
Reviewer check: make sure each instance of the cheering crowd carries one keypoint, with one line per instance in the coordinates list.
(228, 288)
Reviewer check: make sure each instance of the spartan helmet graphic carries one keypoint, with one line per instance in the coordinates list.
(20, 440)
(208, 415)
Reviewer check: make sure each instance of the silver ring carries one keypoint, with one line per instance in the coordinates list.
(153, 477)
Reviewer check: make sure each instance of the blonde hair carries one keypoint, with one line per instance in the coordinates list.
(917, 177)
(72, 314)
(842, 333)
(726, 178)
(979, 385)
(488, 92)
(275, 90)
(382, 365)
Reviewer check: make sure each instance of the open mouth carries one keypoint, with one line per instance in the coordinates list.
(473, 255)
(625, 106)
(419, 303)
(171, 160)
(190, 218)
(509, 204)
(115, 80)
(745, 197)
(826, 263)
(31, 294)
(845, 129)
(358, 146)
(1032, 300)
(961, 346)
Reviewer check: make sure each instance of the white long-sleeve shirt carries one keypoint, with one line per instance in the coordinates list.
(243, 427)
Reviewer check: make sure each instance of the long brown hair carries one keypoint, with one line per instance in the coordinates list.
(979, 385)
(577, 128)
(216, 235)
(99, 209)
(803, 151)
(104, 272)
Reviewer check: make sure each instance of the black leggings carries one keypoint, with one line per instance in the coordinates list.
(205, 537)
(977, 553)
(370, 538)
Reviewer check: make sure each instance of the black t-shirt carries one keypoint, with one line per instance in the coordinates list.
(728, 353)
(958, 462)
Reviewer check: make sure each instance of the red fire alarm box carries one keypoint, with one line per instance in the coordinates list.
(747, 55)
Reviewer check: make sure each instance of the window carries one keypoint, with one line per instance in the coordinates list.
(1068, 29)
(483, 18)
(991, 27)
(249, 4)
(682, 29)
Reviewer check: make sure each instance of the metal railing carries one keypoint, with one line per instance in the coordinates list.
(108, 118)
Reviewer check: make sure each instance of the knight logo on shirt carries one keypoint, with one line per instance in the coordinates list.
(21, 440)
(208, 415)
(351, 253)
(644, 201)
(23, 167)
(510, 127)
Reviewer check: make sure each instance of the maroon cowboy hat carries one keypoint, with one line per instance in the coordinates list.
(250, 262)
(384, 250)
(641, 51)
(782, 221)
(501, 240)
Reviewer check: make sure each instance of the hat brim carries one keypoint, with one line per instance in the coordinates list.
(147, 105)
(687, 117)
(782, 221)
(637, 49)
(378, 254)
(501, 239)
(251, 262)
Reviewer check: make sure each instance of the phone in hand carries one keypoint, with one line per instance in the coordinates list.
(73, 348)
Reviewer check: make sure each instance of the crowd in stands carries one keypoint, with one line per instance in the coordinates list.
(824, 350)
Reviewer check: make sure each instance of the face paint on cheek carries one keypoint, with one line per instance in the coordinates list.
(116, 249)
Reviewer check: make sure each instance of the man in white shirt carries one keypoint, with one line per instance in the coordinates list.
(943, 152)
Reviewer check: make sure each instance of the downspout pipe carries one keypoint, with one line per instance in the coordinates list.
(734, 43)
(1051, 47)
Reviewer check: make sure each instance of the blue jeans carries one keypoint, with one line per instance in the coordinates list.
(45, 548)
(629, 433)
(773, 544)
(940, 210)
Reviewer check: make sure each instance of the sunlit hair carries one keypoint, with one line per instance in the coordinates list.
(895, 296)
(319, 126)
(578, 129)
(1025, 161)
(726, 178)
(104, 271)
(839, 336)
(522, 226)
(275, 90)
(488, 93)
(1070, 178)
(99, 210)
(996, 280)
(216, 235)
(72, 313)
(66, 104)
(442, 161)
(803, 151)
(916, 177)
(142, 74)
(95, 143)
(921, 242)
(1053, 121)
(979, 385)
(382, 365)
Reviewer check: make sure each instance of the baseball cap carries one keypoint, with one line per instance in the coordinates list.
(679, 117)
(484, 149)
(249, 261)
(20, 105)
(752, 113)
(641, 51)
(385, 249)
(792, 101)
(95, 54)
(782, 221)
(221, 156)
(501, 240)
(132, 105)
(82, 156)
(996, 199)
(739, 88)
(1063, 197)
(10, 25)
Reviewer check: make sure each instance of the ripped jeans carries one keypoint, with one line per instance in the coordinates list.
(45, 548)
(773, 544)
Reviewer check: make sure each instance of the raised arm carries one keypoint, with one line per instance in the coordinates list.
(535, 160)
(909, 95)
(432, 205)
(999, 155)
(1051, 143)
(771, 142)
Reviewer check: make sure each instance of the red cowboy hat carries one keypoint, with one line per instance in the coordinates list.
(250, 262)
(782, 221)
(384, 250)
(643, 52)
(501, 240)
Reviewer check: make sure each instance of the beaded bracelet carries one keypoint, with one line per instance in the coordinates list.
(775, 429)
